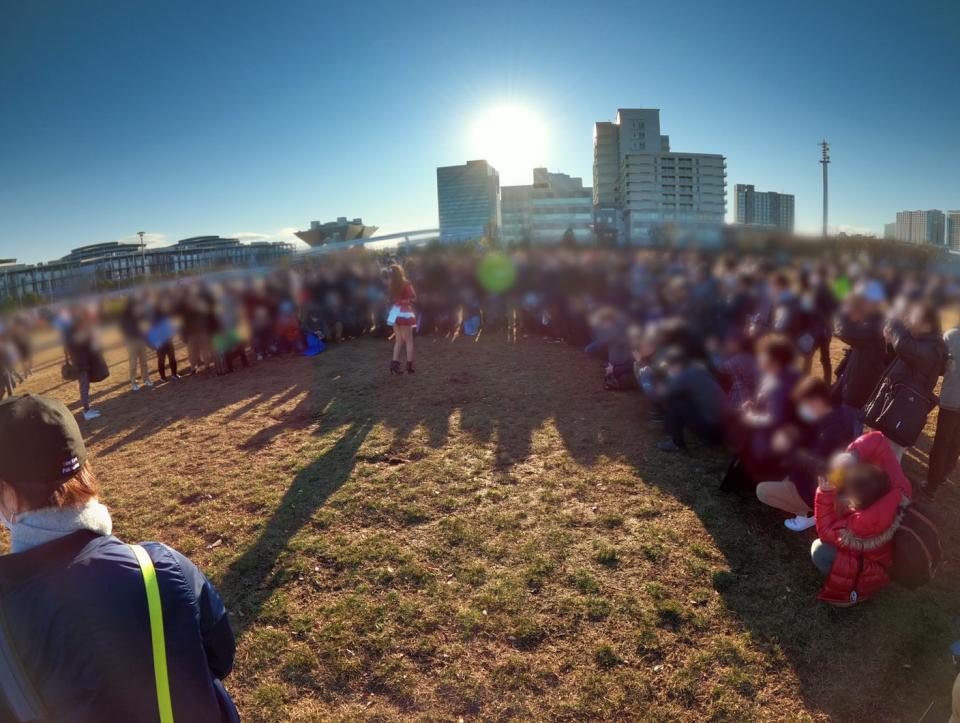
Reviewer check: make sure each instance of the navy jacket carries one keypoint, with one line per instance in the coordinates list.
(76, 610)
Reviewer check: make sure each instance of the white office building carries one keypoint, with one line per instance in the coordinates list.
(951, 234)
(920, 227)
(554, 208)
(641, 186)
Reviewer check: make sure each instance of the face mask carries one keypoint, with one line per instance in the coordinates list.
(807, 414)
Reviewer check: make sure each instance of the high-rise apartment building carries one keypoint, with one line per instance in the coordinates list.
(951, 233)
(640, 184)
(468, 201)
(890, 231)
(554, 207)
(763, 208)
(920, 227)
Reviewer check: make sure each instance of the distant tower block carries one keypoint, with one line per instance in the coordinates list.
(824, 161)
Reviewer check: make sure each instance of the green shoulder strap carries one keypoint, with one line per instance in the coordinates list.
(164, 705)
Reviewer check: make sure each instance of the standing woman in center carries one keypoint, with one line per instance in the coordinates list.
(402, 317)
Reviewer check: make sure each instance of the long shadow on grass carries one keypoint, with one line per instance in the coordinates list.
(251, 578)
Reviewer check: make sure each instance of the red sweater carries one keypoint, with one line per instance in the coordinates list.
(864, 539)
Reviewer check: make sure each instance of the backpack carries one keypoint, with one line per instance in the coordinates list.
(917, 552)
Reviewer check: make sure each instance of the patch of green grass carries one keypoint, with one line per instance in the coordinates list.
(268, 700)
(598, 608)
(605, 656)
(606, 553)
(669, 612)
(610, 520)
(723, 580)
(538, 572)
(585, 582)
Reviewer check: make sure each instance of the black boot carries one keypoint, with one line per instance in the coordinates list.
(410, 369)
(395, 367)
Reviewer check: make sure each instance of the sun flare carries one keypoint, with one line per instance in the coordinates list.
(513, 139)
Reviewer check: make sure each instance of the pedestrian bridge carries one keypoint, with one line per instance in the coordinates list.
(400, 238)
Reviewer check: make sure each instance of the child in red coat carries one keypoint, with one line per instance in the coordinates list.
(858, 509)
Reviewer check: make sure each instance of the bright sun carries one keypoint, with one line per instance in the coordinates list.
(513, 139)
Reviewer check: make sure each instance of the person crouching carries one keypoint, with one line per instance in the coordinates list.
(85, 616)
(858, 508)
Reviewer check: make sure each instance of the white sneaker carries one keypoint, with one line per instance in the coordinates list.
(135, 387)
(91, 414)
(800, 523)
(148, 383)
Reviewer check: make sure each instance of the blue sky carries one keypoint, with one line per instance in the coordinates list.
(186, 118)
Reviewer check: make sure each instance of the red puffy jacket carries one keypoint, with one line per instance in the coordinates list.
(864, 539)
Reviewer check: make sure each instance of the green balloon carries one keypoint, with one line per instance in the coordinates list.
(497, 272)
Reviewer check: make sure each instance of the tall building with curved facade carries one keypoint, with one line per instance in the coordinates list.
(468, 202)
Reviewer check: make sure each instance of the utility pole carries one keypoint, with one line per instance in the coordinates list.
(143, 258)
(824, 161)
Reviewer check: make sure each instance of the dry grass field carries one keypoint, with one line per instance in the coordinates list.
(493, 538)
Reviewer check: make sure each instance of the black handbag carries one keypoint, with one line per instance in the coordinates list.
(69, 372)
(98, 368)
(899, 411)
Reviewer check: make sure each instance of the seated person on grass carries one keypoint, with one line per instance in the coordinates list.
(859, 506)
(772, 410)
(820, 432)
(692, 399)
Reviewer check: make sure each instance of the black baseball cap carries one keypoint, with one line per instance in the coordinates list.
(40, 442)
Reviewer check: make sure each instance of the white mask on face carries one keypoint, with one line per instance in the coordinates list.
(807, 413)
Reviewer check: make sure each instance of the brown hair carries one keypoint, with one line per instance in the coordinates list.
(864, 484)
(778, 347)
(397, 280)
(811, 388)
(76, 491)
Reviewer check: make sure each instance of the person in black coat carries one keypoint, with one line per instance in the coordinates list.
(918, 347)
(860, 325)
(919, 352)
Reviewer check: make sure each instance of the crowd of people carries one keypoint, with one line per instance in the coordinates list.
(722, 348)
(719, 348)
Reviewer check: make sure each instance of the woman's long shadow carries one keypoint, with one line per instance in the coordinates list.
(250, 579)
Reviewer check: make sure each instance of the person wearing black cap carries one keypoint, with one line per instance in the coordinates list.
(92, 629)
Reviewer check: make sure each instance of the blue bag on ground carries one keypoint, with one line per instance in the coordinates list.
(314, 346)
